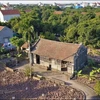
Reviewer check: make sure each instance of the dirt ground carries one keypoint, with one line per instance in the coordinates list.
(14, 85)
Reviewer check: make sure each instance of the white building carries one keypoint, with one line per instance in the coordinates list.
(6, 7)
(7, 13)
(84, 4)
(40, 4)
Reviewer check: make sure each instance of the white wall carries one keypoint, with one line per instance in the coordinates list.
(1, 17)
(5, 18)
(8, 17)
(55, 64)
(7, 8)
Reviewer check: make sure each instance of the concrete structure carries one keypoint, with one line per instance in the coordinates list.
(6, 15)
(6, 7)
(7, 12)
(77, 6)
(61, 56)
(5, 34)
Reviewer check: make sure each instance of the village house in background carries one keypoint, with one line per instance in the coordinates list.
(68, 57)
(5, 34)
(7, 12)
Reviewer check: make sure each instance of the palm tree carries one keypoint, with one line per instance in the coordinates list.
(29, 34)
(30, 37)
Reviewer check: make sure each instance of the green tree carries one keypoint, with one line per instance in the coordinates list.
(97, 87)
(18, 42)
(29, 34)
(48, 35)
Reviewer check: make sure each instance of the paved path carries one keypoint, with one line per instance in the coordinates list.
(87, 90)
(90, 94)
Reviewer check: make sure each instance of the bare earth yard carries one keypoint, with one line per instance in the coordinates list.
(14, 85)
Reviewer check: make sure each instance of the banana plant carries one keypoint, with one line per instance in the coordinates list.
(92, 75)
(78, 73)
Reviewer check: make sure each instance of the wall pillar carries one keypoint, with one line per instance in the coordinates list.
(34, 59)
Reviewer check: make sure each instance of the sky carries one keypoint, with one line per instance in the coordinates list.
(45, 1)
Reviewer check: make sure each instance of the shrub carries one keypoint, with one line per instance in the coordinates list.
(28, 71)
(91, 62)
(97, 87)
(78, 73)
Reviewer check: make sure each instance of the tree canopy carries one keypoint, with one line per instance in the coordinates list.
(73, 25)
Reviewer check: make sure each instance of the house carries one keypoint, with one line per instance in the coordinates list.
(77, 6)
(6, 15)
(5, 34)
(27, 10)
(58, 12)
(6, 7)
(61, 56)
(7, 12)
(25, 47)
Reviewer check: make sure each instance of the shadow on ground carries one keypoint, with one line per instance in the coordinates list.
(95, 98)
(66, 83)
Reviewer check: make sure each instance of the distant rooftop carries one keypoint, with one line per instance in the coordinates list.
(10, 12)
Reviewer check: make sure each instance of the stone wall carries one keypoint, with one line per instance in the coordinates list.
(45, 61)
(80, 58)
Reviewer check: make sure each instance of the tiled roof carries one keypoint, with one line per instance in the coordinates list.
(4, 6)
(97, 13)
(27, 10)
(56, 50)
(1, 27)
(10, 12)
(58, 12)
(25, 45)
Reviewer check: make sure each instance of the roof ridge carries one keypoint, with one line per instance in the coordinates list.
(61, 42)
(2, 27)
(10, 12)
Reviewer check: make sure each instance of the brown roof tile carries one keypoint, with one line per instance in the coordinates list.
(25, 45)
(10, 12)
(58, 12)
(1, 27)
(54, 49)
(97, 13)
(28, 10)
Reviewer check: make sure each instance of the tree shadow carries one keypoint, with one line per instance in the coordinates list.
(10, 90)
(27, 89)
(22, 63)
(95, 98)
(67, 83)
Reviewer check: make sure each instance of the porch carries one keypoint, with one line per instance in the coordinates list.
(67, 66)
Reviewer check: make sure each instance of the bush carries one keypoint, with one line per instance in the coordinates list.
(28, 71)
(91, 62)
(97, 87)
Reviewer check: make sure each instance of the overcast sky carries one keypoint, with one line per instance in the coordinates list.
(45, 1)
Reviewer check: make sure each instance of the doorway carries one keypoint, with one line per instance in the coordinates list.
(64, 66)
(37, 59)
